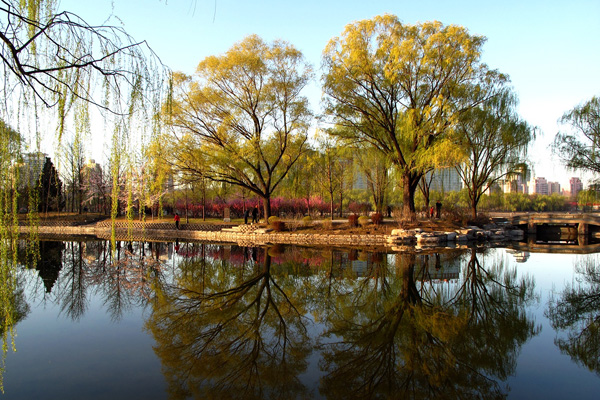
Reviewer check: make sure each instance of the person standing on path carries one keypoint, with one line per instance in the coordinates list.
(255, 215)
(246, 214)
(176, 219)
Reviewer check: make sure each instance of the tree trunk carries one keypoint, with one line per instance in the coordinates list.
(474, 208)
(331, 207)
(410, 182)
(204, 202)
(266, 207)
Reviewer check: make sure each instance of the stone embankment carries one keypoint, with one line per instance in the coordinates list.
(255, 235)
(420, 238)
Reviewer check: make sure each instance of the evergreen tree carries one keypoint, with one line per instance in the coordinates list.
(49, 188)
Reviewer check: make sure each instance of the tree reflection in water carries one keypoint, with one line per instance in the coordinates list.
(240, 330)
(13, 308)
(232, 332)
(576, 311)
(422, 339)
(69, 270)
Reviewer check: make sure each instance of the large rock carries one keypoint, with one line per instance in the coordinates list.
(462, 238)
(515, 234)
(402, 236)
(431, 237)
(451, 236)
(497, 235)
(470, 233)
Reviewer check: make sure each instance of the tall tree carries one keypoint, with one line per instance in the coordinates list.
(53, 61)
(303, 178)
(330, 168)
(495, 140)
(578, 148)
(242, 119)
(376, 169)
(50, 61)
(74, 163)
(401, 88)
(50, 188)
(575, 315)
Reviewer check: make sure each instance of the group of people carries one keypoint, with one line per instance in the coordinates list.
(438, 210)
(254, 215)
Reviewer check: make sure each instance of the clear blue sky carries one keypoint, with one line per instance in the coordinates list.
(550, 49)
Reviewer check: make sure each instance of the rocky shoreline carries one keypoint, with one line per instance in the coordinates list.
(254, 235)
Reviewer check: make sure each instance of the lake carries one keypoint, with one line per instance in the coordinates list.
(154, 320)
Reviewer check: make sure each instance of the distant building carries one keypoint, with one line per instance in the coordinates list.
(31, 168)
(553, 188)
(539, 186)
(360, 180)
(444, 180)
(576, 186)
(514, 185)
(169, 185)
(94, 186)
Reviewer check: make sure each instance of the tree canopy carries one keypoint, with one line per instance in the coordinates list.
(495, 141)
(242, 119)
(402, 87)
(578, 147)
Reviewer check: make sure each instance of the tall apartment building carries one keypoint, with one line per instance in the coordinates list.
(553, 188)
(31, 168)
(576, 186)
(444, 180)
(515, 185)
(539, 186)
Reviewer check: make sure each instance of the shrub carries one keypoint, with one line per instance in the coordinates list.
(272, 219)
(327, 224)
(377, 218)
(364, 220)
(278, 225)
(353, 220)
(307, 221)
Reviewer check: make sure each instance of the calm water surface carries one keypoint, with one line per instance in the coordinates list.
(193, 320)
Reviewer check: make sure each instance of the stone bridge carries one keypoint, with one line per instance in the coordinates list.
(584, 224)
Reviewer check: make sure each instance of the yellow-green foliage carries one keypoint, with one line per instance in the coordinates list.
(214, 110)
(364, 220)
(431, 64)
(307, 220)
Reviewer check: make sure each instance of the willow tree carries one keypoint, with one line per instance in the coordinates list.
(401, 87)
(578, 147)
(495, 140)
(242, 119)
(54, 68)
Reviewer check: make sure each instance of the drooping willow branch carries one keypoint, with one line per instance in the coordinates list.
(55, 57)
